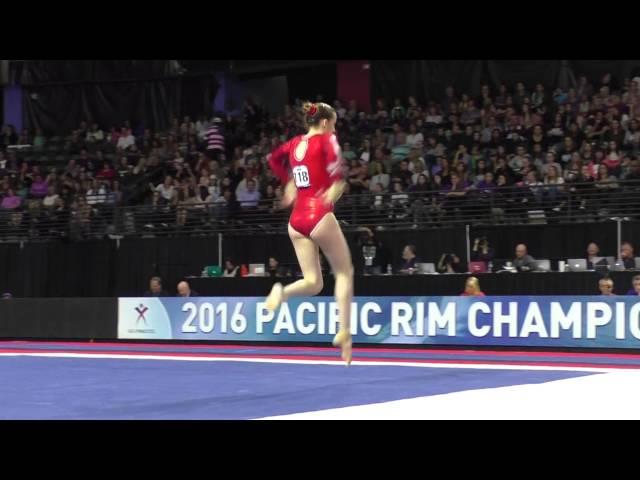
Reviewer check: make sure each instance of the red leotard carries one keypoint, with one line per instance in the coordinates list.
(320, 165)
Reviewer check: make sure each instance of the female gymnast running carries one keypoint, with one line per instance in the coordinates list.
(317, 181)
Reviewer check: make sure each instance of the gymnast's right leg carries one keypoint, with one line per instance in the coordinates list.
(309, 260)
(328, 235)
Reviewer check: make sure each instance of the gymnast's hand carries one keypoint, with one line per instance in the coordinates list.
(333, 194)
(289, 196)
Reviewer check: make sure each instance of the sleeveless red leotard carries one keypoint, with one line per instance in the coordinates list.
(316, 166)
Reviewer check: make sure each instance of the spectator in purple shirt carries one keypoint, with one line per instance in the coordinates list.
(39, 187)
(11, 201)
(250, 197)
(487, 183)
(636, 286)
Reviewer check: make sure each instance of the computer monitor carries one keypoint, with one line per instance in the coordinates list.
(256, 269)
(577, 264)
(213, 271)
(478, 267)
(426, 268)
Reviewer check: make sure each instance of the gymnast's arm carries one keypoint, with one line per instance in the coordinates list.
(337, 170)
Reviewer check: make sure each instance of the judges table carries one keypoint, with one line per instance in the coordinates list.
(533, 283)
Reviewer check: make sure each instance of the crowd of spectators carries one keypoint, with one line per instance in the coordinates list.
(513, 148)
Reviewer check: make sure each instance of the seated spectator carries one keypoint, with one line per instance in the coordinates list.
(226, 206)
(550, 161)
(125, 140)
(455, 192)
(215, 139)
(399, 201)
(379, 203)
(97, 194)
(626, 256)
(206, 193)
(633, 177)
(85, 162)
(81, 214)
(531, 188)
(365, 152)
(347, 153)
(625, 167)
(403, 173)
(275, 270)
(553, 185)
(523, 261)
(450, 263)
(635, 282)
(123, 167)
(39, 187)
(472, 288)
(606, 287)
(95, 134)
(166, 189)
(356, 176)
(572, 172)
(420, 171)
(502, 168)
(593, 250)
(632, 136)
(402, 148)
(107, 172)
(155, 288)
(462, 156)
(11, 201)
(604, 181)
(471, 114)
(486, 183)
(250, 197)
(52, 200)
(422, 185)
(415, 139)
(379, 177)
(186, 201)
(613, 158)
(113, 194)
(517, 162)
(184, 290)
(481, 251)
(230, 269)
(415, 161)
(409, 259)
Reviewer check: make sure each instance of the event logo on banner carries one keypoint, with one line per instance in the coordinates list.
(607, 322)
(143, 318)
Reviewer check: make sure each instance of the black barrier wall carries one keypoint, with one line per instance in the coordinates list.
(110, 268)
(553, 283)
(59, 318)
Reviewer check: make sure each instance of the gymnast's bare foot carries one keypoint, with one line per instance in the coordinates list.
(275, 297)
(343, 340)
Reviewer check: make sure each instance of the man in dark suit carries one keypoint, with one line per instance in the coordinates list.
(155, 288)
(184, 290)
